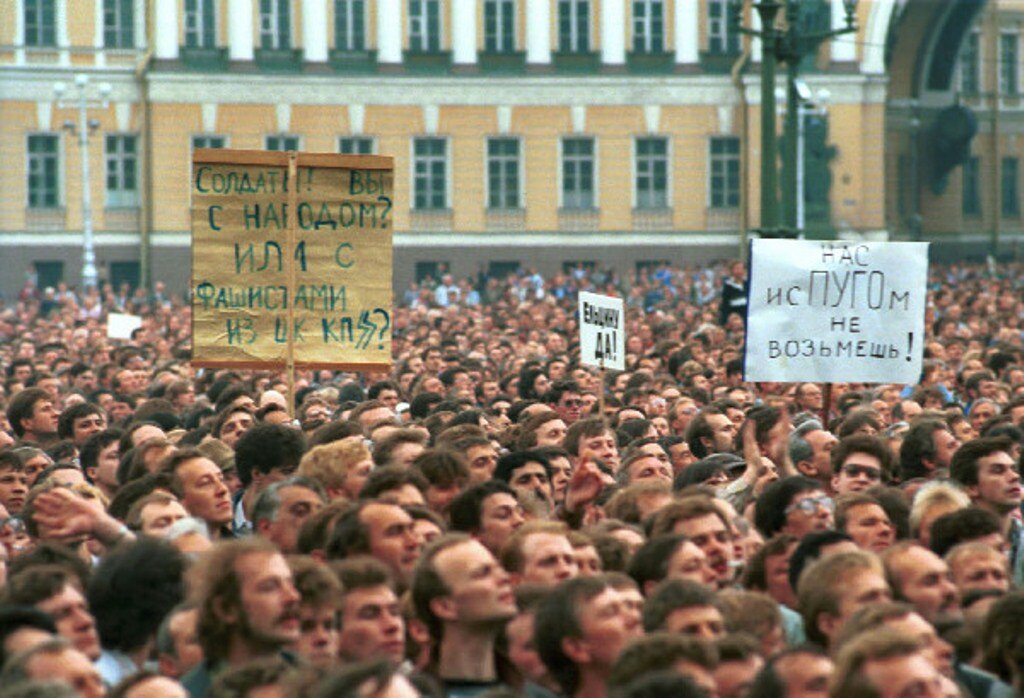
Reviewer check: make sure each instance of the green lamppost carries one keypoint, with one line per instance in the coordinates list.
(788, 46)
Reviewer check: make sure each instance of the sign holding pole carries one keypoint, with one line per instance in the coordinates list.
(291, 260)
(836, 312)
(602, 334)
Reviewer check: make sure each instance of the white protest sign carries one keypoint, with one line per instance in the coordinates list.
(121, 326)
(602, 331)
(836, 312)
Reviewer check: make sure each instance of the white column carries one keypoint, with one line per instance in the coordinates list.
(844, 48)
(755, 24)
(166, 19)
(63, 38)
(687, 25)
(140, 7)
(97, 35)
(389, 31)
(464, 32)
(314, 31)
(538, 32)
(240, 26)
(19, 32)
(613, 32)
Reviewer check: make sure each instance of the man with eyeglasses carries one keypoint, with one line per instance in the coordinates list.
(564, 398)
(860, 462)
(795, 505)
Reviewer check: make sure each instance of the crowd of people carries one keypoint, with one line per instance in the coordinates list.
(491, 517)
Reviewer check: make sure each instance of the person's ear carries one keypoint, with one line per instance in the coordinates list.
(576, 649)
(443, 607)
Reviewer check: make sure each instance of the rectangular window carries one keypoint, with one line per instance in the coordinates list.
(430, 174)
(1009, 173)
(652, 173)
(355, 146)
(118, 23)
(209, 142)
(648, 26)
(578, 173)
(122, 171)
(350, 25)
(1008, 58)
(574, 26)
(200, 24)
(40, 23)
(969, 61)
(722, 36)
(503, 173)
(971, 194)
(425, 25)
(499, 26)
(283, 143)
(43, 171)
(275, 24)
(725, 172)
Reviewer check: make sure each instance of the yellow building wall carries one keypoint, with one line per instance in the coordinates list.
(541, 129)
(613, 129)
(19, 119)
(395, 127)
(468, 129)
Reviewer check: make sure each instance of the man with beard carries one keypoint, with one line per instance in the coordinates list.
(927, 450)
(248, 608)
(465, 598)
(528, 473)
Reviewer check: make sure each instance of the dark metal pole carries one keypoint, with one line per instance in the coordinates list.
(789, 166)
(768, 9)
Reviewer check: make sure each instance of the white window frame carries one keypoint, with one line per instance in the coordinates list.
(507, 43)
(370, 139)
(195, 23)
(271, 24)
(419, 27)
(121, 197)
(1007, 90)
(113, 8)
(58, 155)
(575, 40)
(447, 173)
(348, 8)
(41, 27)
(596, 203)
(972, 36)
(718, 28)
(192, 140)
(710, 174)
(648, 25)
(520, 179)
(298, 142)
(668, 171)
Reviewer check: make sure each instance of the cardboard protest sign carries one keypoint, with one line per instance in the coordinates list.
(602, 331)
(291, 259)
(836, 312)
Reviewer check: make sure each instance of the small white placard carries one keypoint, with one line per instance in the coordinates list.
(121, 326)
(602, 331)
